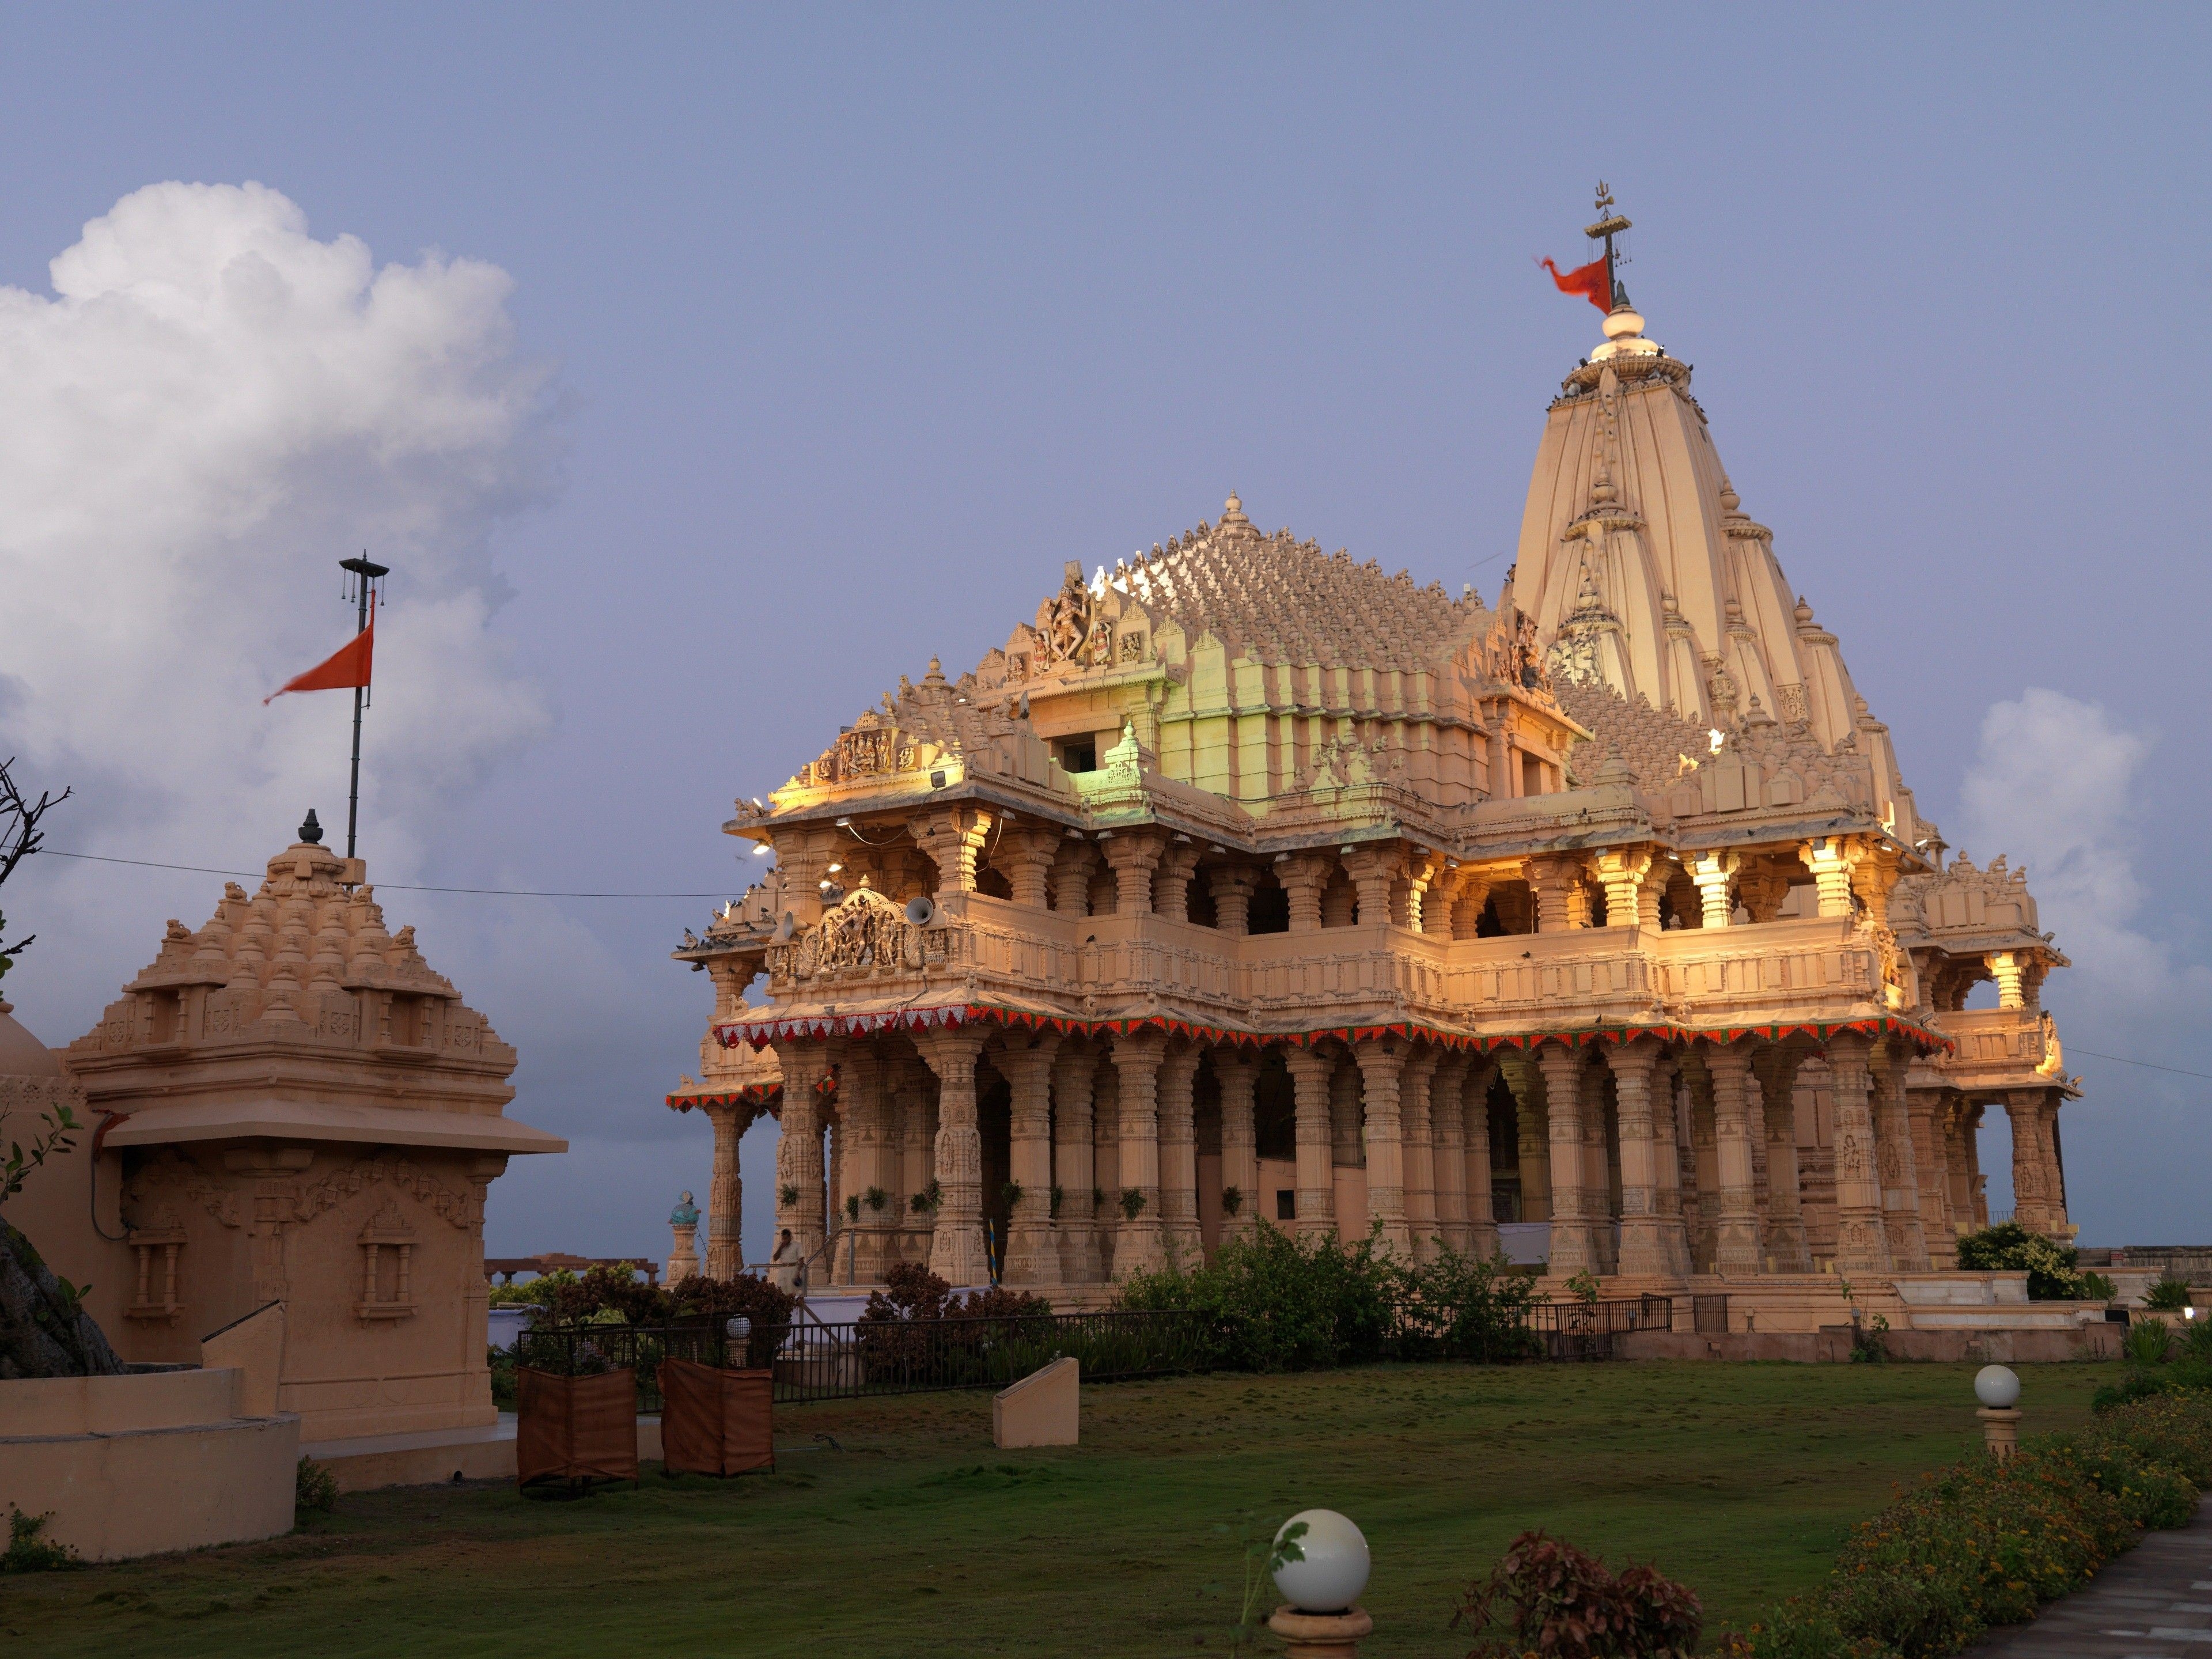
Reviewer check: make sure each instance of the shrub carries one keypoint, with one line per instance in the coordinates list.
(1551, 1598)
(1868, 1346)
(749, 1295)
(501, 1362)
(911, 1291)
(2168, 1295)
(2095, 1287)
(2010, 1248)
(1274, 1302)
(1469, 1308)
(536, 1293)
(314, 1487)
(602, 1289)
(2147, 1342)
(1984, 1543)
(28, 1551)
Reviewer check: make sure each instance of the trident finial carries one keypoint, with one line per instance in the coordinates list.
(1604, 195)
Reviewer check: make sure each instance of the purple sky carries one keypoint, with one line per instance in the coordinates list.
(859, 322)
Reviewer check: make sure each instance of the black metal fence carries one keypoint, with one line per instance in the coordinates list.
(1590, 1330)
(852, 1361)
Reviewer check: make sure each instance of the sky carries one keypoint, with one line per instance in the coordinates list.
(699, 371)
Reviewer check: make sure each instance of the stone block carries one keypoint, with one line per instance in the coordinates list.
(1039, 1410)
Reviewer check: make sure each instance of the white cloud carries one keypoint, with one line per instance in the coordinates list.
(209, 410)
(2053, 786)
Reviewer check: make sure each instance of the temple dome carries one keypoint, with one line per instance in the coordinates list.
(22, 1054)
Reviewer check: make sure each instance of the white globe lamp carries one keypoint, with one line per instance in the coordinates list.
(1997, 1387)
(1334, 1570)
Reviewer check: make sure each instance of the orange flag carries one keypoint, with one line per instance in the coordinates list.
(342, 670)
(1592, 282)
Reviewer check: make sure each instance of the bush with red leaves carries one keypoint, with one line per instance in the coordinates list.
(1547, 1597)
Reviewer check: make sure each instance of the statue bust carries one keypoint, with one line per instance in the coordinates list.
(685, 1214)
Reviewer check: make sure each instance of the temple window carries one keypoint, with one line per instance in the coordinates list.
(166, 1007)
(1532, 775)
(156, 1298)
(1270, 911)
(387, 1268)
(1079, 755)
(990, 882)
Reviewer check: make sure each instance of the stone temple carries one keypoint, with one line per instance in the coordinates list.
(1250, 882)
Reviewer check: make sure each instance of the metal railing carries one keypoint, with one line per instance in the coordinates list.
(865, 1358)
(1589, 1330)
(881, 1356)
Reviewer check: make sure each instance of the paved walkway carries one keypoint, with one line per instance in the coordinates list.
(2155, 1602)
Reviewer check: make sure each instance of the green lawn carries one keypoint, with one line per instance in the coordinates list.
(918, 1539)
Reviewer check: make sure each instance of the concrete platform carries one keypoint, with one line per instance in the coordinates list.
(368, 1462)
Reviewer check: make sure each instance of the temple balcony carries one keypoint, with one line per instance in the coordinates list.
(1999, 1049)
(1099, 967)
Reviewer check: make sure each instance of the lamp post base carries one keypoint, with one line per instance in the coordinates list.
(2000, 1431)
(1320, 1635)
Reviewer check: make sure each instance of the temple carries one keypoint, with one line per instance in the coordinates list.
(1247, 881)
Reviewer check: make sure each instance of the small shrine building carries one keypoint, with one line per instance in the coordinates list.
(1247, 880)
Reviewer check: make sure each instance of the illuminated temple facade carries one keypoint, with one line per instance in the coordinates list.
(1251, 882)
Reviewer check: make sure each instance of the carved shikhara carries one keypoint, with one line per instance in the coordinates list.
(1239, 802)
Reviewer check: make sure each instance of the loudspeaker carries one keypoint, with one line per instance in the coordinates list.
(918, 911)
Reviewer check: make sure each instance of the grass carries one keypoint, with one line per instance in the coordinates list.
(918, 1539)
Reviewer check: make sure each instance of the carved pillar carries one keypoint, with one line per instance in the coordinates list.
(1831, 875)
(1372, 870)
(1621, 873)
(1073, 1173)
(1421, 872)
(951, 838)
(1533, 1133)
(1862, 1242)
(1926, 1108)
(1763, 890)
(1776, 1068)
(1667, 1156)
(1070, 878)
(1106, 1158)
(1736, 1235)
(1133, 855)
(1642, 1252)
(1574, 1242)
(725, 1256)
(2005, 966)
(1473, 1095)
(1348, 1148)
(1956, 1123)
(1702, 1209)
(1237, 1073)
(1232, 886)
(1468, 894)
(1900, 1181)
(1179, 1231)
(1137, 1238)
(2031, 1201)
(1416, 1122)
(1712, 871)
(1597, 1164)
(865, 1137)
(1447, 1110)
(915, 1094)
(1554, 880)
(1172, 881)
(1032, 1250)
(955, 1243)
(1382, 1062)
(1024, 857)
(1302, 876)
(799, 1199)
(1338, 899)
(1317, 1201)
(2054, 1166)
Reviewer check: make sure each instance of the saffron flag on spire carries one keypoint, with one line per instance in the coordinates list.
(1592, 282)
(344, 669)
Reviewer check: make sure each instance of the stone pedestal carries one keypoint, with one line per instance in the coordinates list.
(1320, 1635)
(2000, 1431)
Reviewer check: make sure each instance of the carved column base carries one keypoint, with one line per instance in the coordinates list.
(1642, 1248)
(1139, 1247)
(1786, 1243)
(1736, 1247)
(1032, 1252)
(956, 1250)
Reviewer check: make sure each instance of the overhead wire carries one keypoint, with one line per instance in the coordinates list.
(393, 886)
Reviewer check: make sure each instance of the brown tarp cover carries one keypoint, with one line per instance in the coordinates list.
(575, 1428)
(715, 1421)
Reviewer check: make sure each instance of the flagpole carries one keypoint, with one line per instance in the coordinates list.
(368, 575)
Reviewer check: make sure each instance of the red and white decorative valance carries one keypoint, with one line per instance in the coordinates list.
(767, 1028)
